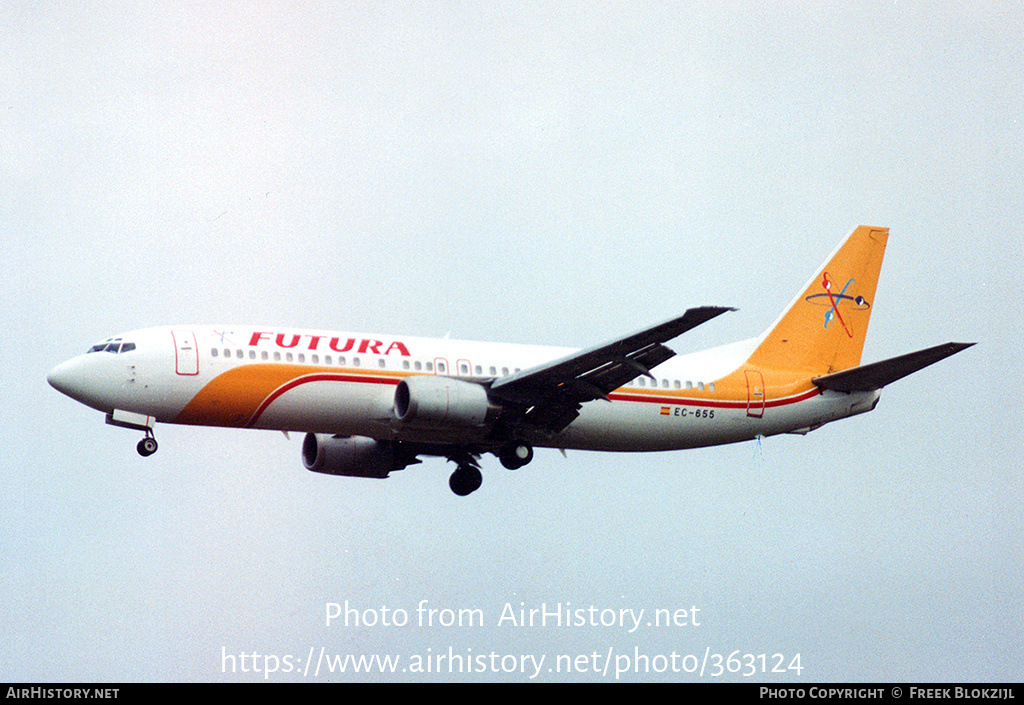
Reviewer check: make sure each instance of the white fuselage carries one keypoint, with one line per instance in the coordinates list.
(344, 383)
(372, 404)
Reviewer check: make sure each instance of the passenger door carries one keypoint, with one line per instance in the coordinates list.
(186, 352)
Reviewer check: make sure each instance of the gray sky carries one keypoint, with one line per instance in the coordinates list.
(529, 173)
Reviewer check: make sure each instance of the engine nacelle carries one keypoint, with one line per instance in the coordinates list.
(355, 456)
(427, 400)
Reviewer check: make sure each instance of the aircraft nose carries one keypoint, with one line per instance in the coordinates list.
(71, 378)
(63, 378)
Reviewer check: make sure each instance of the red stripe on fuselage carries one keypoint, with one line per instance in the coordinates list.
(626, 397)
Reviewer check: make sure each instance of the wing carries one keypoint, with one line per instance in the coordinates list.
(550, 396)
(868, 378)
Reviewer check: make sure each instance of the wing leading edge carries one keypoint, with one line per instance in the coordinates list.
(550, 395)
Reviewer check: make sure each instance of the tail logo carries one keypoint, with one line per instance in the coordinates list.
(836, 301)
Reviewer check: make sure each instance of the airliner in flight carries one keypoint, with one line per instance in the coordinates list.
(372, 404)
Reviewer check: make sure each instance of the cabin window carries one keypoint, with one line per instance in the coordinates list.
(430, 367)
(265, 355)
(493, 370)
(418, 366)
(381, 362)
(239, 354)
(277, 356)
(214, 353)
(327, 359)
(711, 386)
(302, 357)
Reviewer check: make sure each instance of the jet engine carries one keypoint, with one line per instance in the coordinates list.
(427, 400)
(355, 456)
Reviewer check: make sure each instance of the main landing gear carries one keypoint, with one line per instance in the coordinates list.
(147, 446)
(467, 477)
(515, 455)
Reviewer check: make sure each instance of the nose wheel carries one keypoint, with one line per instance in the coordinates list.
(147, 446)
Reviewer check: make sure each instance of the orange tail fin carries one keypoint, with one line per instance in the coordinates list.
(823, 330)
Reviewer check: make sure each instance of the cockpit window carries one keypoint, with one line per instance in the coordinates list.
(112, 345)
(105, 345)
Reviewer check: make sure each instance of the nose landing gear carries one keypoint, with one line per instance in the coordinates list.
(136, 422)
(147, 446)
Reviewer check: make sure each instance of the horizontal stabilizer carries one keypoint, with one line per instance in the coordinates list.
(867, 378)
